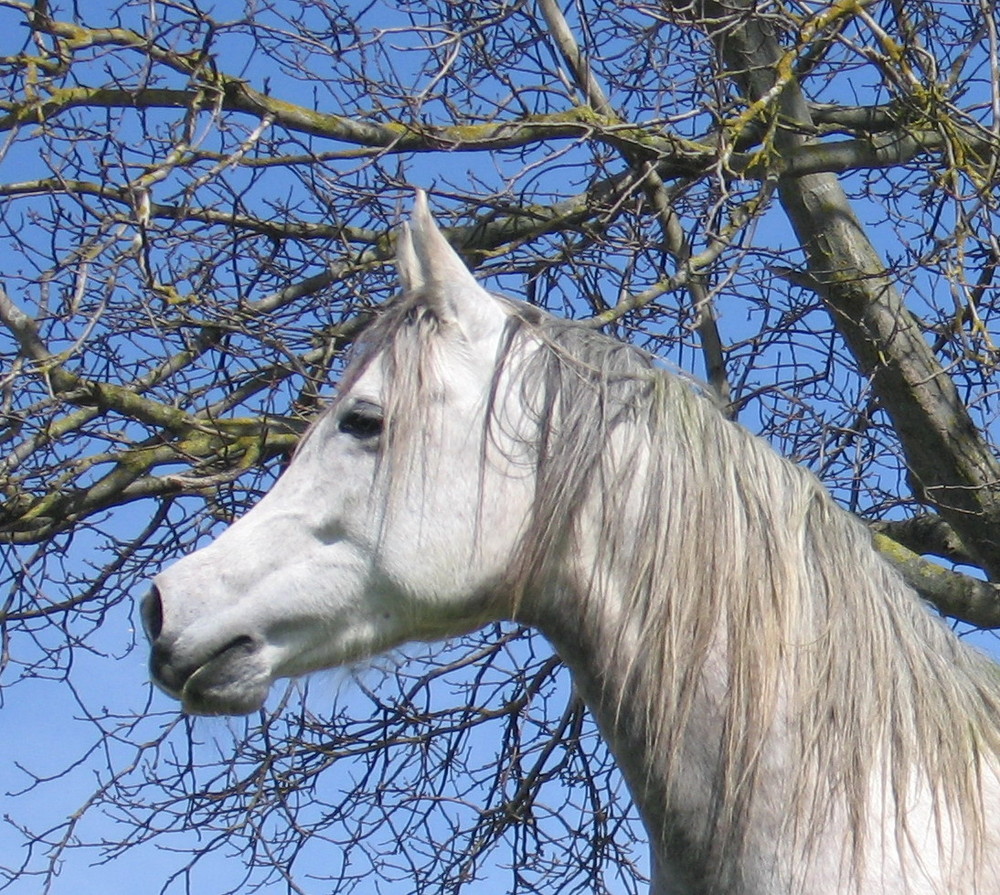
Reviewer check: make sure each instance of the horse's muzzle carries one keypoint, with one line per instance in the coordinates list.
(229, 679)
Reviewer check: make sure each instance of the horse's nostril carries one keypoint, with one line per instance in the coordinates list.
(152, 614)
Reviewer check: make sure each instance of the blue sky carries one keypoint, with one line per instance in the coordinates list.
(44, 726)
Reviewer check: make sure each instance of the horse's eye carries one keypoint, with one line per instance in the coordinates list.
(362, 421)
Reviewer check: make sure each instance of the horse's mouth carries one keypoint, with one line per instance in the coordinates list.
(234, 680)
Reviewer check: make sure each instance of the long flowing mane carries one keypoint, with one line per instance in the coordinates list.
(710, 539)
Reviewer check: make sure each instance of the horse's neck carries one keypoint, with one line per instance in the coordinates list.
(674, 787)
(675, 778)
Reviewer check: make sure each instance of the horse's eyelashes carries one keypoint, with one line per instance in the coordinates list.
(362, 421)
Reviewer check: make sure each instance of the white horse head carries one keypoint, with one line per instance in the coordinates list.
(788, 716)
(384, 528)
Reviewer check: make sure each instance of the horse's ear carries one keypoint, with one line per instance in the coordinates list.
(426, 262)
(411, 278)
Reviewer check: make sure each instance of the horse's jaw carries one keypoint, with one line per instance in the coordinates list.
(225, 622)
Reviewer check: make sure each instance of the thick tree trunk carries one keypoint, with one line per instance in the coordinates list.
(950, 465)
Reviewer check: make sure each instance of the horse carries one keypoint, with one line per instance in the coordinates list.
(788, 716)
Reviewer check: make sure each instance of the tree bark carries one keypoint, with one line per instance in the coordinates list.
(950, 465)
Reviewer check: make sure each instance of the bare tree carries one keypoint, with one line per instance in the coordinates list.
(794, 200)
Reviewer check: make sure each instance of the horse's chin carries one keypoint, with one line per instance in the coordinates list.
(213, 707)
(226, 700)
(235, 682)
